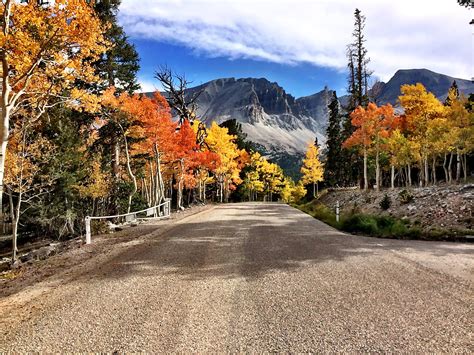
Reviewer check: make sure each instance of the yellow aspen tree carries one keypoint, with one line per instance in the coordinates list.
(461, 133)
(231, 158)
(44, 51)
(420, 107)
(26, 155)
(312, 168)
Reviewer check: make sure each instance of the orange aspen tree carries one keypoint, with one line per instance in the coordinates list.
(362, 119)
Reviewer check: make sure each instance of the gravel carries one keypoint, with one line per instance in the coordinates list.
(254, 277)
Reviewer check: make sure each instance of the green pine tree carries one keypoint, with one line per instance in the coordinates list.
(358, 90)
(454, 86)
(332, 167)
(120, 64)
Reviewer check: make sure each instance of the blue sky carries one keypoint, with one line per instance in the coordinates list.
(300, 79)
(298, 43)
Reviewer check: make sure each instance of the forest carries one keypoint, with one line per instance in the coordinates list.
(78, 140)
(421, 142)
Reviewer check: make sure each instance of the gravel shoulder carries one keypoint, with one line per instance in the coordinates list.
(250, 277)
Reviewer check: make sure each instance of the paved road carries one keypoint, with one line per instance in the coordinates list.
(260, 277)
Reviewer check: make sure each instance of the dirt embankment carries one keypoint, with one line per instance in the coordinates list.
(448, 207)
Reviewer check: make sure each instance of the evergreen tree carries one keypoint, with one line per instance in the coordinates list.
(358, 61)
(119, 65)
(359, 74)
(455, 90)
(235, 129)
(332, 171)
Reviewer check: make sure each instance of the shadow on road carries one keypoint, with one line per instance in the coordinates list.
(250, 241)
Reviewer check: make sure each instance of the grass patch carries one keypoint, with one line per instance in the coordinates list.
(357, 222)
(320, 211)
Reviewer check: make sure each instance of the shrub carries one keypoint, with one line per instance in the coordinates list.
(360, 223)
(386, 202)
(405, 196)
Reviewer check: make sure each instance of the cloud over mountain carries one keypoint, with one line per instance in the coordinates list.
(433, 34)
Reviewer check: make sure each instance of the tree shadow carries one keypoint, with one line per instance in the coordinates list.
(248, 241)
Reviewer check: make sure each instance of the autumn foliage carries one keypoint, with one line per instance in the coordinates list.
(426, 136)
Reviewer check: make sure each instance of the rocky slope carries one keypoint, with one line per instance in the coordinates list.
(443, 207)
(269, 116)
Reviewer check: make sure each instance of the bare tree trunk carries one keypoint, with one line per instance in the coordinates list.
(12, 216)
(161, 185)
(464, 165)
(366, 181)
(152, 186)
(433, 171)
(377, 170)
(446, 175)
(4, 129)
(222, 192)
(409, 174)
(314, 190)
(204, 191)
(15, 220)
(146, 192)
(392, 177)
(427, 173)
(458, 166)
(180, 185)
(130, 173)
(450, 169)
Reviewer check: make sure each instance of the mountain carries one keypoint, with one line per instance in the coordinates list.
(438, 84)
(282, 125)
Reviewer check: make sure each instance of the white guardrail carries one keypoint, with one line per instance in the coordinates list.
(163, 210)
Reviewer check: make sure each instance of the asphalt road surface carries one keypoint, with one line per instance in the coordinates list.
(257, 277)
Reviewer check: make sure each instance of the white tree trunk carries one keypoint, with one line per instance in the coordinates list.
(180, 185)
(450, 169)
(427, 173)
(446, 174)
(4, 134)
(458, 167)
(392, 177)
(366, 181)
(377, 171)
(409, 175)
(130, 173)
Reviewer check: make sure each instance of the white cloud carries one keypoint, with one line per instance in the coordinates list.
(401, 34)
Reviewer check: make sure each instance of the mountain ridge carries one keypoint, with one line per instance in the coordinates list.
(283, 125)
